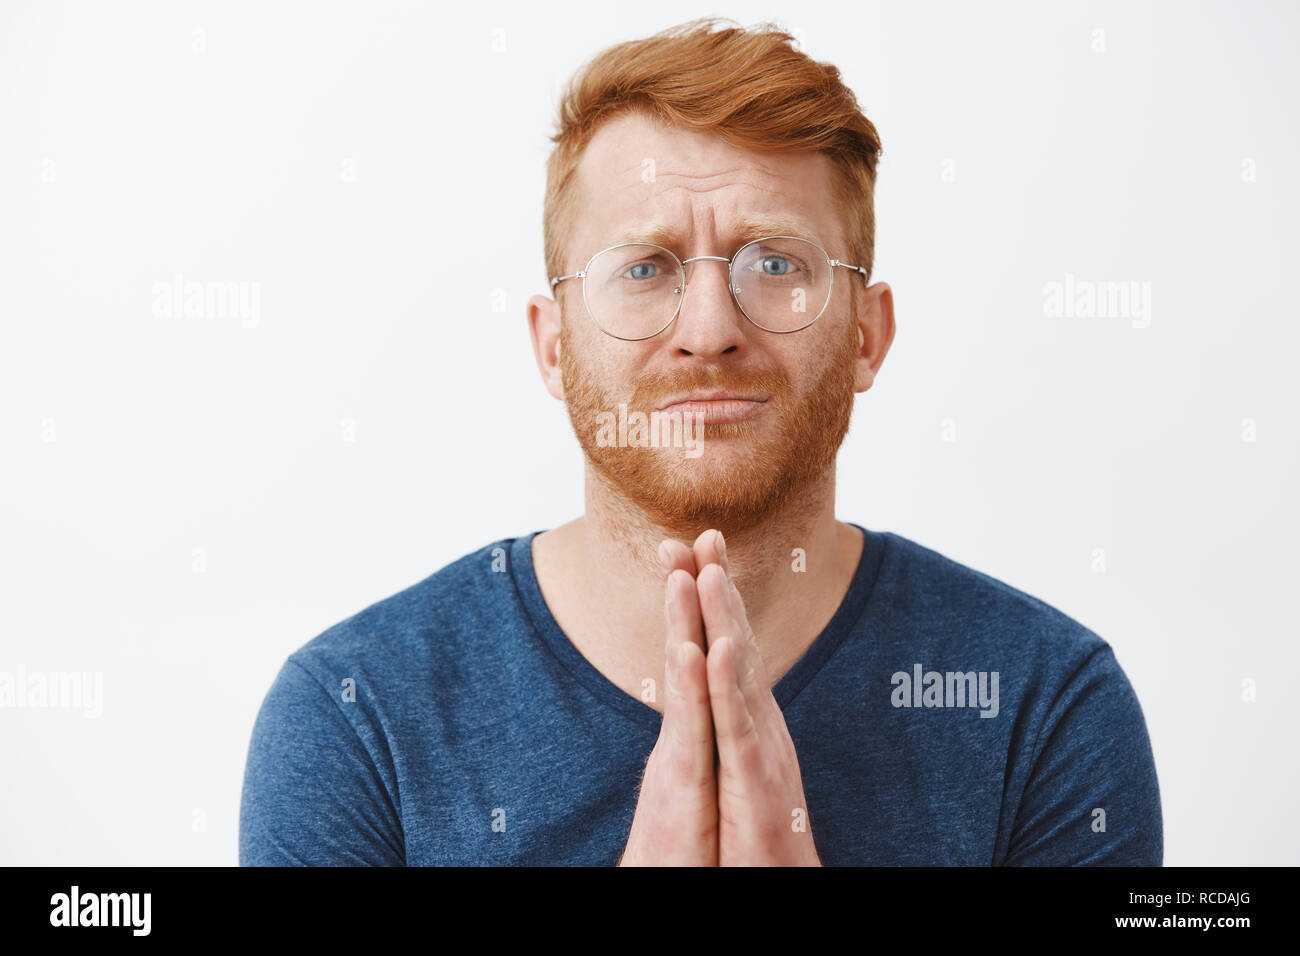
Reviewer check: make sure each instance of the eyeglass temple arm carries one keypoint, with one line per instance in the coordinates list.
(836, 262)
(575, 275)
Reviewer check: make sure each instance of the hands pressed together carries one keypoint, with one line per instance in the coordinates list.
(722, 784)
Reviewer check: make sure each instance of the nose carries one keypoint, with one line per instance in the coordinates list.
(709, 323)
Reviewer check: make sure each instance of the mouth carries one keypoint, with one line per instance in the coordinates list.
(716, 407)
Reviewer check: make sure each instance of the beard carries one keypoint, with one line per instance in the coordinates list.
(747, 472)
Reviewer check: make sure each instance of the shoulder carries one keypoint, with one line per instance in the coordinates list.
(1072, 729)
(460, 602)
(962, 607)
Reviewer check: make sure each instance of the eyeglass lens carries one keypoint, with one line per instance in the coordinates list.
(634, 291)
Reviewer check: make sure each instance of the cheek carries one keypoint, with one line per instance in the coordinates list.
(588, 370)
(806, 366)
(833, 361)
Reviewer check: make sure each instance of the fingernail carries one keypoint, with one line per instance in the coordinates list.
(722, 546)
(663, 558)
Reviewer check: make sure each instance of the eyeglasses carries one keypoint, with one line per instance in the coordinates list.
(634, 290)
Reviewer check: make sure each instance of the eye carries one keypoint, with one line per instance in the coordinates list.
(773, 265)
(642, 270)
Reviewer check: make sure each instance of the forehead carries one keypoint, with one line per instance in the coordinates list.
(642, 180)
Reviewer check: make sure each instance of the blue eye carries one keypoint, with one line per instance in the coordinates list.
(643, 275)
(779, 265)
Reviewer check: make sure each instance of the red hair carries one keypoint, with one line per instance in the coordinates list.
(749, 86)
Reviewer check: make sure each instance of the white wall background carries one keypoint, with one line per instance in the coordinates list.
(377, 170)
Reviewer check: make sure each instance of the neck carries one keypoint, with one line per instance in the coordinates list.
(614, 546)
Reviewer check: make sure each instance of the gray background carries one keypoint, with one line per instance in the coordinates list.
(184, 500)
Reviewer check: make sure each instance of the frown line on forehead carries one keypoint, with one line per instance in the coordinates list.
(732, 233)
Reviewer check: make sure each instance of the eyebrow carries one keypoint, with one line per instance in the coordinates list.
(743, 230)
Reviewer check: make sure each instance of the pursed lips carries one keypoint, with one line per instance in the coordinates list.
(714, 396)
(716, 406)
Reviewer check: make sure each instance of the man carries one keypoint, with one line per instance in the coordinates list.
(706, 667)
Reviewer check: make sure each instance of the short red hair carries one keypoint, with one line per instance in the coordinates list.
(749, 86)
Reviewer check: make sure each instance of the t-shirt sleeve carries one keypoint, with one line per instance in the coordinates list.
(313, 794)
(1092, 797)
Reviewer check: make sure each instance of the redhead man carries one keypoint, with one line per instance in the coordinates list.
(706, 667)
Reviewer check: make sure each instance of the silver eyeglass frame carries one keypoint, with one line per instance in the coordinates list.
(731, 283)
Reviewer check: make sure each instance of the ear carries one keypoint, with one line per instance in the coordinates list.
(544, 327)
(875, 332)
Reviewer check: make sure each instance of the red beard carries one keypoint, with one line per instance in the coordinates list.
(748, 471)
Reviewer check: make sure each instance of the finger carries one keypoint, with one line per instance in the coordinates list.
(692, 719)
(688, 722)
(682, 612)
(710, 548)
(753, 653)
(674, 555)
(733, 724)
(724, 615)
(715, 604)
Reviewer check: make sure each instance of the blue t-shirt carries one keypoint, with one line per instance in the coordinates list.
(941, 718)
